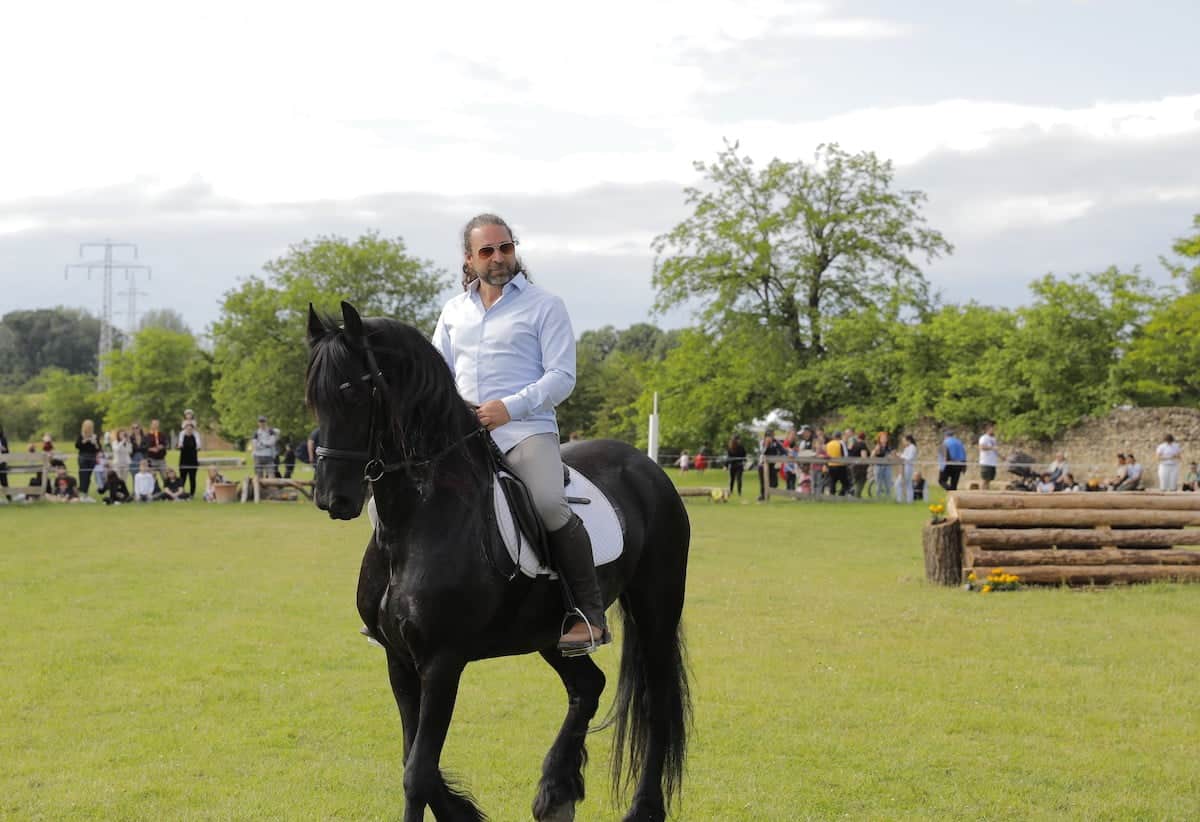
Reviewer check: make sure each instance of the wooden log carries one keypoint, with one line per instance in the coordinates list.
(1072, 517)
(1107, 500)
(942, 543)
(1098, 574)
(973, 556)
(1016, 538)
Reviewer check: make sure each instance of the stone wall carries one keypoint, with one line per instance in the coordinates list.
(1091, 446)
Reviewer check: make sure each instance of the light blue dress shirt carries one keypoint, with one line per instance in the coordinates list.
(520, 351)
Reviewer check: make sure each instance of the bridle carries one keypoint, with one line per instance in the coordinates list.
(373, 457)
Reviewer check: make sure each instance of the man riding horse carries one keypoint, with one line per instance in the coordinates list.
(511, 349)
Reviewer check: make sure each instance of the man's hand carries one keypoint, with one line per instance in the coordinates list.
(492, 414)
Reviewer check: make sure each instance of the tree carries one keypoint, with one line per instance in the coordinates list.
(160, 375)
(793, 245)
(167, 318)
(32, 340)
(70, 399)
(1163, 363)
(1189, 249)
(259, 349)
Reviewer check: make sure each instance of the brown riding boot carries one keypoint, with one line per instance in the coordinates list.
(571, 551)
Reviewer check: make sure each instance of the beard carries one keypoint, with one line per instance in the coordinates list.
(500, 274)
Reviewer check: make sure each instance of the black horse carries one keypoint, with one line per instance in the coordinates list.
(391, 417)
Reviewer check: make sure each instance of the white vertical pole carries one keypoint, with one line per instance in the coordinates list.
(652, 445)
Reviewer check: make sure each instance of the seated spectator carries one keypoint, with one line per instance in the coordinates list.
(1046, 484)
(1191, 480)
(1059, 469)
(1133, 474)
(115, 489)
(214, 479)
(100, 473)
(173, 489)
(145, 486)
(1122, 471)
(64, 488)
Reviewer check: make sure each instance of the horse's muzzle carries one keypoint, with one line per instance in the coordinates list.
(343, 508)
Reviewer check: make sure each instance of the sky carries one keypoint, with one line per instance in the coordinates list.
(1049, 135)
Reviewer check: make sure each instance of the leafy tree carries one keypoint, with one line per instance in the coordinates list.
(794, 245)
(160, 375)
(1163, 363)
(32, 340)
(70, 399)
(18, 417)
(1070, 343)
(258, 344)
(1189, 249)
(166, 318)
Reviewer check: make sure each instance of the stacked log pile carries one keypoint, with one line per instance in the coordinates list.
(1079, 538)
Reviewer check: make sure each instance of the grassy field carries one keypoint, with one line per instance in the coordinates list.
(192, 661)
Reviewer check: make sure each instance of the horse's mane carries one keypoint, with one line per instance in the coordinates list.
(425, 410)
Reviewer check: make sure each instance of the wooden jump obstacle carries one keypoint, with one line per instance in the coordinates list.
(265, 488)
(1066, 538)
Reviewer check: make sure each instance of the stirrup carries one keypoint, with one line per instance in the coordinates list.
(581, 648)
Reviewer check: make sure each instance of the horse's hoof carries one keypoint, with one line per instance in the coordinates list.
(563, 813)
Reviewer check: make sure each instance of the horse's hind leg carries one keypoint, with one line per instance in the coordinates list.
(561, 785)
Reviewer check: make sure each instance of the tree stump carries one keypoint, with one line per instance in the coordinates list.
(943, 552)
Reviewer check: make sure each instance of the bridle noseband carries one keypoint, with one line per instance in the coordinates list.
(373, 458)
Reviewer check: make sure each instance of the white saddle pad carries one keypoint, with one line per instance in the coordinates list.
(599, 518)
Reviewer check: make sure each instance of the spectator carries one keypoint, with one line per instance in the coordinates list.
(858, 448)
(702, 459)
(122, 453)
(839, 472)
(735, 461)
(908, 464)
(1045, 484)
(289, 458)
(156, 448)
(311, 446)
(145, 486)
(952, 459)
(214, 479)
(683, 462)
(189, 454)
(1190, 483)
(1069, 484)
(1059, 469)
(115, 489)
(918, 486)
(1122, 471)
(265, 441)
(189, 416)
(99, 473)
(172, 489)
(1133, 474)
(989, 457)
(1168, 454)
(47, 444)
(768, 472)
(883, 471)
(64, 488)
(137, 444)
(88, 445)
(4, 463)
(787, 470)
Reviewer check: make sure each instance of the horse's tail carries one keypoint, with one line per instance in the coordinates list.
(652, 710)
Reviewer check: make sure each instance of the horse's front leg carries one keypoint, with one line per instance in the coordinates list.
(406, 688)
(562, 770)
(423, 782)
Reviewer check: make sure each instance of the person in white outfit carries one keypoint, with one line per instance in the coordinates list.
(908, 465)
(1168, 454)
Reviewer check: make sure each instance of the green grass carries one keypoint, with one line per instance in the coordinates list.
(202, 662)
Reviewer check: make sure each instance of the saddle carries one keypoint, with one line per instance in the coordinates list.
(520, 502)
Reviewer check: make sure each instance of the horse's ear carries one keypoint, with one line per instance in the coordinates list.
(354, 323)
(316, 328)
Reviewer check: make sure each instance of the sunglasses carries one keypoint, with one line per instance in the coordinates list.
(485, 252)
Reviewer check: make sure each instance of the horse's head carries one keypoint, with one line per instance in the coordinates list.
(346, 390)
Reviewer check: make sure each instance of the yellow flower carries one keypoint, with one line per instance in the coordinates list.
(986, 589)
(971, 577)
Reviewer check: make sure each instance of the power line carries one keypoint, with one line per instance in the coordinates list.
(108, 265)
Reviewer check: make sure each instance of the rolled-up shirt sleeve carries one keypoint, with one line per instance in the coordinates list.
(557, 341)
